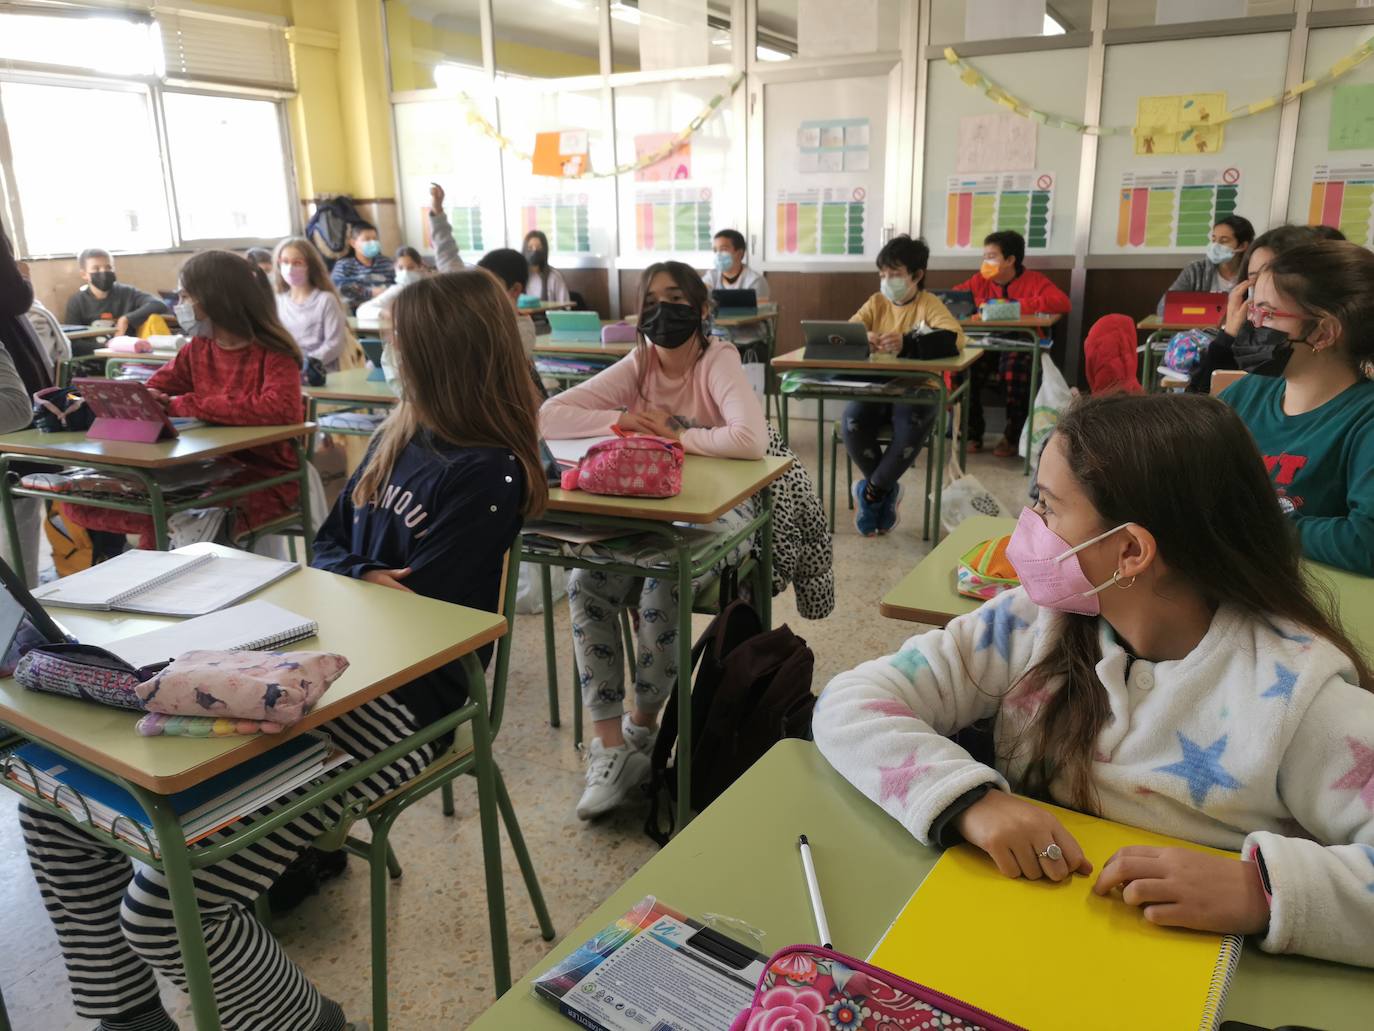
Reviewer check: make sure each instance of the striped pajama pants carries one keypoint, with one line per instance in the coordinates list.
(114, 918)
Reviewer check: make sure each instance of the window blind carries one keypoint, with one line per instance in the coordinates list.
(202, 46)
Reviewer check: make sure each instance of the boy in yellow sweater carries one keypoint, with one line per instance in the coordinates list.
(900, 307)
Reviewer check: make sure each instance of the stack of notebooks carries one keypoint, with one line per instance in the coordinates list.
(165, 583)
(1054, 955)
(209, 806)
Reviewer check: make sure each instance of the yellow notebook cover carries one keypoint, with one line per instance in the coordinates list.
(1056, 957)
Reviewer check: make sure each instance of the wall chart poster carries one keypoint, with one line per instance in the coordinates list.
(466, 221)
(563, 219)
(821, 221)
(833, 145)
(1343, 196)
(675, 218)
(1174, 208)
(977, 205)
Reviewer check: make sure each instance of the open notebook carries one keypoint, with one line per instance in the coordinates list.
(1056, 955)
(165, 583)
(252, 626)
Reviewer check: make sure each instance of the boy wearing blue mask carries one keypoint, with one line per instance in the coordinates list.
(729, 272)
(1219, 270)
(367, 272)
(901, 306)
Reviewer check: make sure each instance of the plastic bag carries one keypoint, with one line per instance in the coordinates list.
(529, 595)
(1051, 399)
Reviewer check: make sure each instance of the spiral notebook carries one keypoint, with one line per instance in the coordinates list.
(165, 583)
(252, 626)
(1055, 955)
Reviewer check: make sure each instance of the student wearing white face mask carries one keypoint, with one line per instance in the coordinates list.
(410, 265)
(1219, 270)
(902, 305)
(308, 304)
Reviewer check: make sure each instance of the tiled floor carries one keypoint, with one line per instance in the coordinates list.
(440, 966)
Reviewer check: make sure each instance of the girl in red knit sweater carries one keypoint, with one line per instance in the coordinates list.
(241, 368)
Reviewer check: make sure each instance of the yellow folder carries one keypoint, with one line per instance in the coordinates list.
(1056, 957)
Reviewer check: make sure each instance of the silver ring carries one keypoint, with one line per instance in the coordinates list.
(1052, 852)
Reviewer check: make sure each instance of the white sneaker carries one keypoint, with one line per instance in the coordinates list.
(640, 739)
(612, 773)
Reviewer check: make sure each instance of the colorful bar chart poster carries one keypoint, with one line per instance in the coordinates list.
(1174, 208)
(821, 221)
(673, 219)
(466, 220)
(977, 205)
(563, 219)
(1343, 196)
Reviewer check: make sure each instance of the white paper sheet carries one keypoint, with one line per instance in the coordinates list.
(1000, 142)
(572, 450)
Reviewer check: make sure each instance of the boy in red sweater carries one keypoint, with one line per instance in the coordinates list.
(1004, 276)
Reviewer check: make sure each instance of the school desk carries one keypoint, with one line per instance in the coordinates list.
(197, 444)
(710, 488)
(546, 347)
(766, 318)
(739, 859)
(910, 373)
(927, 594)
(349, 613)
(1159, 334)
(1017, 336)
(349, 390)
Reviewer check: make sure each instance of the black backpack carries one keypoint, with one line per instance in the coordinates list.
(328, 226)
(753, 688)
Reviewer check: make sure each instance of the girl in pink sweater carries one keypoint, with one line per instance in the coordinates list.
(678, 383)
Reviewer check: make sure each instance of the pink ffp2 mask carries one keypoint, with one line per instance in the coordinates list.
(1048, 568)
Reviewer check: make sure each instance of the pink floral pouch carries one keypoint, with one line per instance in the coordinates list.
(273, 687)
(810, 988)
(635, 467)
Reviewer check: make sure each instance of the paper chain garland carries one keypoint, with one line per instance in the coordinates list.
(971, 76)
(478, 121)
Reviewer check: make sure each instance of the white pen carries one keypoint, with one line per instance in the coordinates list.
(813, 886)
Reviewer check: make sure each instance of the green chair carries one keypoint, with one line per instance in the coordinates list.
(461, 758)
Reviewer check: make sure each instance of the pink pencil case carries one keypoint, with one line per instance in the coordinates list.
(811, 988)
(130, 345)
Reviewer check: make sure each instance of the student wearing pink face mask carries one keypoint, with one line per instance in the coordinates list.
(308, 303)
(1161, 670)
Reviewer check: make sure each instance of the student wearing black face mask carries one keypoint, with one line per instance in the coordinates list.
(545, 283)
(104, 299)
(677, 383)
(1309, 400)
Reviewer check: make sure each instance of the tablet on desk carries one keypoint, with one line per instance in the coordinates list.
(835, 341)
(124, 410)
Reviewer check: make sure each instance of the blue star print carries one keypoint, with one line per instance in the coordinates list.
(998, 623)
(1369, 851)
(1201, 768)
(910, 661)
(1296, 638)
(1284, 679)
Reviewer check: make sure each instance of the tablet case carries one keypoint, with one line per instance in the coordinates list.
(124, 410)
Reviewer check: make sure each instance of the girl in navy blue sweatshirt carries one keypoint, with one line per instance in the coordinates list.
(433, 510)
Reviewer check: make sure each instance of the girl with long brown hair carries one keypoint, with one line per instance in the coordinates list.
(308, 303)
(240, 368)
(681, 383)
(1167, 664)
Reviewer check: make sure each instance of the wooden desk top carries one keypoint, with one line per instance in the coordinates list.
(548, 348)
(353, 385)
(193, 445)
(91, 334)
(1156, 323)
(767, 310)
(1025, 322)
(739, 858)
(544, 306)
(876, 364)
(147, 356)
(710, 488)
(421, 635)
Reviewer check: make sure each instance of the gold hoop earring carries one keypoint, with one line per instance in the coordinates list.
(1116, 581)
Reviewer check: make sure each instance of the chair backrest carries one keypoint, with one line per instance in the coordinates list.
(1223, 378)
(510, 582)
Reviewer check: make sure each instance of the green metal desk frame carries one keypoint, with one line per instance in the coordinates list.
(983, 337)
(688, 561)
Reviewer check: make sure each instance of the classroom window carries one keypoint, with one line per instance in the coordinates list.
(656, 35)
(547, 39)
(962, 21)
(426, 44)
(215, 199)
(111, 45)
(821, 28)
(1133, 14)
(69, 201)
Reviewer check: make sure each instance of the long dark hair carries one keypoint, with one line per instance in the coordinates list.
(230, 292)
(1279, 240)
(1242, 551)
(693, 288)
(1335, 279)
(463, 377)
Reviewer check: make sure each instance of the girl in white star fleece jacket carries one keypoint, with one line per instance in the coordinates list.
(1238, 717)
